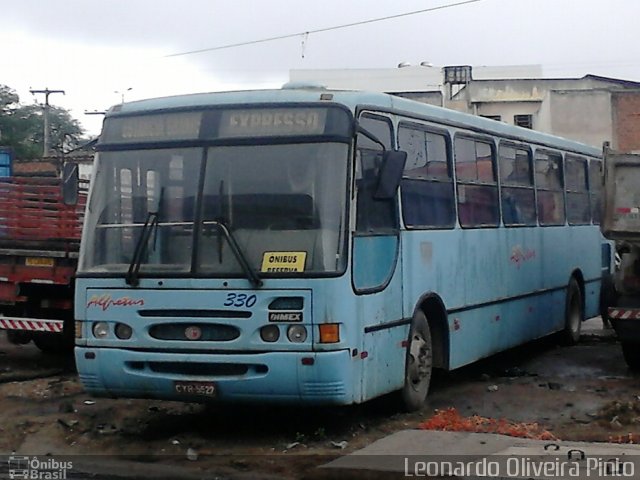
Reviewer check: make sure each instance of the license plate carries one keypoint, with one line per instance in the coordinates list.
(205, 389)
(39, 262)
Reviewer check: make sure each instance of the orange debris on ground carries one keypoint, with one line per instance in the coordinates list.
(628, 438)
(450, 420)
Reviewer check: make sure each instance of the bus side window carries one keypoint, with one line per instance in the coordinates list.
(427, 185)
(548, 169)
(373, 214)
(476, 183)
(516, 184)
(578, 208)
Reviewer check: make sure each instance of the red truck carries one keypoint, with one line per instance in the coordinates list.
(40, 229)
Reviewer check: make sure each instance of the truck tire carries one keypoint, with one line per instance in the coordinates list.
(631, 353)
(608, 298)
(17, 337)
(418, 364)
(574, 314)
(53, 344)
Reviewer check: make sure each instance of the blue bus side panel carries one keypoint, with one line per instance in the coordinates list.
(501, 287)
(382, 352)
(374, 261)
(376, 265)
(478, 333)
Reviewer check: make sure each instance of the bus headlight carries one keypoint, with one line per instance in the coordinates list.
(297, 333)
(270, 333)
(123, 331)
(100, 329)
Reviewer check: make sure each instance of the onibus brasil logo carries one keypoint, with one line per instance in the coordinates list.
(32, 468)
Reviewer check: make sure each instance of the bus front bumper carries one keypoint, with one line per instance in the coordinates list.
(275, 377)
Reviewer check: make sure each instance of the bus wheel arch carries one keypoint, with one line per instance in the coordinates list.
(574, 309)
(426, 350)
(433, 308)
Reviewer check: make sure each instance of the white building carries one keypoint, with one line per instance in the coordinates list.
(582, 109)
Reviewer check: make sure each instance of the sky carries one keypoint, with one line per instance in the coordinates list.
(103, 51)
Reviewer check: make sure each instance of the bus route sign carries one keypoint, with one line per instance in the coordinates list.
(273, 262)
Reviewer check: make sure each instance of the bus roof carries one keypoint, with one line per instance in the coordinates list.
(352, 100)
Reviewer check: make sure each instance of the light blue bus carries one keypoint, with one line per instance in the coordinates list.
(325, 247)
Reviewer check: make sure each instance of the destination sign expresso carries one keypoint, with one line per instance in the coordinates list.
(261, 122)
(221, 123)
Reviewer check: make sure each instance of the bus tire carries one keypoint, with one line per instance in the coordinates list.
(418, 364)
(631, 353)
(574, 314)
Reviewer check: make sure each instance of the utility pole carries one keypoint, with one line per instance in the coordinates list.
(46, 92)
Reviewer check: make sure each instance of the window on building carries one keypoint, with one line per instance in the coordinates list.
(476, 183)
(595, 189)
(516, 179)
(578, 209)
(548, 171)
(427, 184)
(524, 121)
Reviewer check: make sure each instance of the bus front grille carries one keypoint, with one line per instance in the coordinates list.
(208, 332)
(323, 389)
(90, 381)
(199, 368)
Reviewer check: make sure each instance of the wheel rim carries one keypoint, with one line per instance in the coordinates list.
(419, 368)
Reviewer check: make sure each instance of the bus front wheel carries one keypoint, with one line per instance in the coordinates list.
(418, 364)
(574, 314)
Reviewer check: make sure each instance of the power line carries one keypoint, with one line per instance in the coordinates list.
(320, 30)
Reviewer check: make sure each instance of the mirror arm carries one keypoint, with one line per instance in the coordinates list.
(370, 136)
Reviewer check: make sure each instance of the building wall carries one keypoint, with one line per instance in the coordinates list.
(585, 116)
(591, 109)
(524, 90)
(412, 78)
(626, 121)
(507, 110)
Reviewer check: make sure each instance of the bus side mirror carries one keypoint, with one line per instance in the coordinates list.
(390, 174)
(70, 183)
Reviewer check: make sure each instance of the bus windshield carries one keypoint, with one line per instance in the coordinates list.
(282, 204)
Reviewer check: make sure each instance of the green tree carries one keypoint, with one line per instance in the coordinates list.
(22, 127)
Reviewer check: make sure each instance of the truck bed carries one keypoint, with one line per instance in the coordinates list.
(621, 218)
(34, 217)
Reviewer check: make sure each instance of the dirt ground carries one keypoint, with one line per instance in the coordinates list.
(584, 392)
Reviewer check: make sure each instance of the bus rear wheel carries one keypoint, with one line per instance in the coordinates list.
(418, 364)
(574, 314)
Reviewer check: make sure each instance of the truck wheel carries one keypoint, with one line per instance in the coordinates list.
(608, 298)
(17, 337)
(52, 344)
(631, 353)
(418, 364)
(574, 314)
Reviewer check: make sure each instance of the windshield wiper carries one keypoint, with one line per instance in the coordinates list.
(150, 226)
(252, 275)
